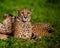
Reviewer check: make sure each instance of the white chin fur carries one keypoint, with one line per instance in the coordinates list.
(25, 19)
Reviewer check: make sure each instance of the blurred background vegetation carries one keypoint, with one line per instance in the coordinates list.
(43, 11)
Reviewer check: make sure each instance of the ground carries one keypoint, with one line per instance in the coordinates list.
(43, 11)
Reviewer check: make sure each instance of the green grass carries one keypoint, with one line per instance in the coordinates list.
(43, 11)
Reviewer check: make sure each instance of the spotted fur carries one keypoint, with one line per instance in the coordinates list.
(22, 26)
(6, 26)
(23, 29)
(42, 29)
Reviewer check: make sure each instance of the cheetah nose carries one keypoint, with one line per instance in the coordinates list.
(25, 17)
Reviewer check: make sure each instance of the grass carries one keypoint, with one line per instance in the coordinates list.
(43, 11)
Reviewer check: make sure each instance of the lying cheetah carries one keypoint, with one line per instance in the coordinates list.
(6, 26)
(22, 25)
(23, 28)
(41, 29)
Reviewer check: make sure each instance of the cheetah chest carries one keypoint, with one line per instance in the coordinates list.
(24, 30)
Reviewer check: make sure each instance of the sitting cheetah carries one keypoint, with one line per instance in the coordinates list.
(6, 26)
(41, 29)
(22, 25)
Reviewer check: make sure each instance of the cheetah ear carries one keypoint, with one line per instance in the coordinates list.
(31, 10)
(5, 16)
(11, 15)
(18, 10)
(8, 15)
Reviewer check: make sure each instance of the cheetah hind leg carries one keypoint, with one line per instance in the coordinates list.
(3, 37)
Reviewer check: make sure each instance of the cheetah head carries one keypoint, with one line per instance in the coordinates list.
(7, 16)
(24, 14)
(49, 27)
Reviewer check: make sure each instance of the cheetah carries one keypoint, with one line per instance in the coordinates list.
(41, 29)
(23, 29)
(6, 26)
(3, 37)
(22, 25)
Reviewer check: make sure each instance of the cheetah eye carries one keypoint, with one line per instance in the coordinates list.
(22, 12)
(28, 12)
